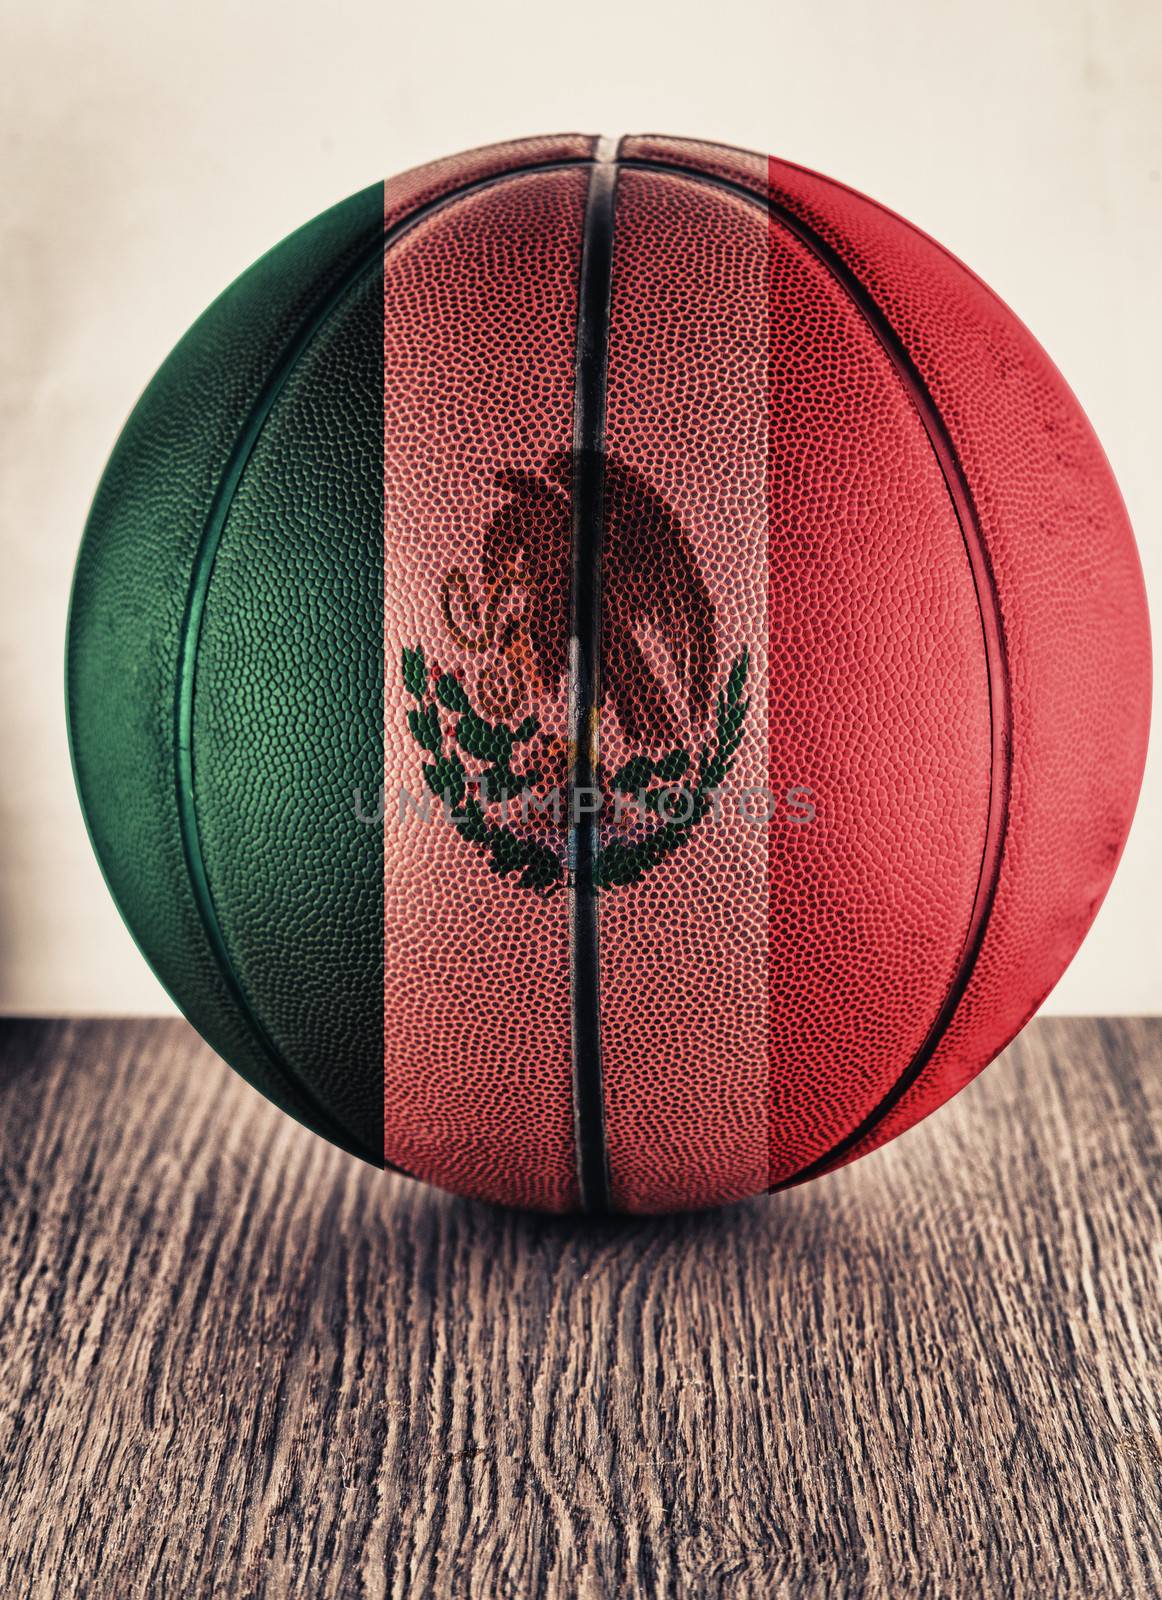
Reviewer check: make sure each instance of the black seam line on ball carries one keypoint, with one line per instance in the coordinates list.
(306, 1104)
(992, 628)
(588, 528)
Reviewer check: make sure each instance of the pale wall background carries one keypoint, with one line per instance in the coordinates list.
(152, 150)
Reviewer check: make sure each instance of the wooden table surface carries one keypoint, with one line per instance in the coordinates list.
(234, 1361)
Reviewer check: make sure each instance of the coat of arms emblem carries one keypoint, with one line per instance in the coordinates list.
(493, 729)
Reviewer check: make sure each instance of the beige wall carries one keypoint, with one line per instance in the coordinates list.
(152, 150)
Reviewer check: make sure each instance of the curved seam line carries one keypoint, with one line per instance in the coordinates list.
(189, 638)
(995, 651)
(590, 381)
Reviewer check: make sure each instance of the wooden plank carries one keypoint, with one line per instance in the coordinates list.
(234, 1361)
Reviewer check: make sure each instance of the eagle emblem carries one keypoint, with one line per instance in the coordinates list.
(493, 729)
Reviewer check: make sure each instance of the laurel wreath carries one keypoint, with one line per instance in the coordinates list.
(667, 787)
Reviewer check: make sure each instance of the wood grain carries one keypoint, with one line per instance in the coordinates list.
(234, 1361)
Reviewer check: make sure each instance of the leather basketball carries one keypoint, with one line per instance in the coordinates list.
(608, 674)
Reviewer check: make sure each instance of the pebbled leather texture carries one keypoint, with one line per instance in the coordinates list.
(134, 577)
(818, 952)
(1068, 586)
(480, 311)
(858, 546)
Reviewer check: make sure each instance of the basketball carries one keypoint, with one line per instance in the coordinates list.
(608, 674)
